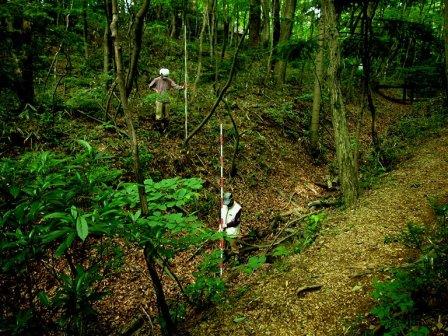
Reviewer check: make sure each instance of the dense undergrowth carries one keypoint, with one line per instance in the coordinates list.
(61, 216)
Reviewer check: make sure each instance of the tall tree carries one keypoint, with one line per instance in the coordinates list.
(344, 153)
(265, 23)
(368, 10)
(275, 21)
(254, 22)
(168, 327)
(287, 22)
(201, 43)
(445, 35)
(85, 31)
(318, 81)
(107, 47)
(137, 34)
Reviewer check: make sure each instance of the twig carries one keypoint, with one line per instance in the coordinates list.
(149, 319)
(233, 169)
(287, 225)
(306, 289)
(173, 277)
(221, 93)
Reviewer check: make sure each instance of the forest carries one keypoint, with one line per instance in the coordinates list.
(224, 167)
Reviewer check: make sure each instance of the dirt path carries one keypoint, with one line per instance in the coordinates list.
(349, 253)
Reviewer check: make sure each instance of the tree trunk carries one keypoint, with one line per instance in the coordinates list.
(344, 153)
(226, 26)
(201, 42)
(265, 25)
(85, 29)
(106, 39)
(368, 13)
(124, 104)
(168, 327)
(445, 35)
(24, 85)
(285, 33)
(137, 34)
(173, 24)
(254, 22)
(275, 21)
(318, 81)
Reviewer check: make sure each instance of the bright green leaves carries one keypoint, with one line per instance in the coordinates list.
(253, 263)
(82, 227)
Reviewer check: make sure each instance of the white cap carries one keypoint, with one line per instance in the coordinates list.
(164, 72)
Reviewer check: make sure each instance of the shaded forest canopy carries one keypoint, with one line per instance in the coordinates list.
(317, 99)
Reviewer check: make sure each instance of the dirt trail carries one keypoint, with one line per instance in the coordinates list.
(349, 253)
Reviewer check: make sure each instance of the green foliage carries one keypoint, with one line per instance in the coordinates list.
(287, 118)
(56, 204)
(412, 236)
(411, 292)
(208, 287)
(75, 298)
(86, 99)
(253, 264)
(310, 231)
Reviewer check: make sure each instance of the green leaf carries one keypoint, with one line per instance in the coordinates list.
(74, 212)
(43, 298)
(86, 145)
(65, 245)
(57, 215)
(15, 191)
(82, 228)
(280, 251)
(239, 319)
(53, 235)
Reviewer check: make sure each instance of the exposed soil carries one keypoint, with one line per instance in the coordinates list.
(348, 255)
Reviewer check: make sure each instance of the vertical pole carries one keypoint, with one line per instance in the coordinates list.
(221, 184)
(185, 78)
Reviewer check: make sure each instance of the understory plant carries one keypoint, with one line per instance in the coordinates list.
(59, 215)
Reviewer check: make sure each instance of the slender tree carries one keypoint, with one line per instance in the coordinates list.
(168, 327)
(344, 152)
(287, 22)
(318, 81)
(137, 34)
(445, 35)
(368, 9)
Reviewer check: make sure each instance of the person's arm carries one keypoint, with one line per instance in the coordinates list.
(175, 86)
(153, 85)
(224, 211)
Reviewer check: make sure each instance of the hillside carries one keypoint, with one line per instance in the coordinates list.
(348, 254)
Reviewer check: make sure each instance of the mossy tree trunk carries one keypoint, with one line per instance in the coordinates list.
(318, 81)
(445, 35)
(287, 22)
(344, 153)
(254, 22)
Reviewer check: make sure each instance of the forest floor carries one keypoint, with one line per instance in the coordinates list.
(349, 253)
(277, 178)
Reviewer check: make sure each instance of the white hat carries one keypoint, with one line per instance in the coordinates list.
(164, 72)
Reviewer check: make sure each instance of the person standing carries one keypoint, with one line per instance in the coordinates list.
(231, 221)
(162, 85)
